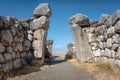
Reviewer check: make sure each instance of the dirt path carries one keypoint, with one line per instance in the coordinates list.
(59, 70)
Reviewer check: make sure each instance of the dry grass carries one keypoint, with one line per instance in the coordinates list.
(103, 71)
(14, 75)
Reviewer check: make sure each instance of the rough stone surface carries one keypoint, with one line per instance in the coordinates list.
(42, 10)
(2, 48)
(39, 23)
(117, 26)
(83, 51)
(115, 17)
(7, 37)
(80, 19)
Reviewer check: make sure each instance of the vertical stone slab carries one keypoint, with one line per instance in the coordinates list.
(83, 51)
(39, 42)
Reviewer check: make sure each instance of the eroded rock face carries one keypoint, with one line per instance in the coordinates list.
(42, 10)
(98, 41)
(71, 51)
(23, 42)
(80, 19)
(83, 51)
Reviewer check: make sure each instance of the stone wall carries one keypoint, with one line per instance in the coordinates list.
(23, 41)
(71, 51)
(97, 41)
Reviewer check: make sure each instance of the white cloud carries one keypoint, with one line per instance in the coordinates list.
(58, 46)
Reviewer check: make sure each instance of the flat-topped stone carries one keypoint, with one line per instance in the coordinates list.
(42, 10)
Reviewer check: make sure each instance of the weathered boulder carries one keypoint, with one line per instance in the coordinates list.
(27, 44)
(102, 45)
(96, 53)
(94, 46)
(9, 49)
(2, 48)
(80, 19)
(100, 30)
(110, 32)
(17, 63)
(13, 55)
(30, 37)
(1, 59)
(7, 38)
(83, 51)
(38, 23)
(108, 52)
(100, 38)
(108, 22)
(109, 43)
(6, 67)
(26, 25)
(71, 51)
(13, 31)
(115, 17)
(48, 51)
(116, 38)
(103, 18)
(42, 10)
(115, 46)
(117, 26)
(7, 56)
(91, 38)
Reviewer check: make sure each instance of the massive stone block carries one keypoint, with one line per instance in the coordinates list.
(39, 42)
(83, 51)
(42, 10)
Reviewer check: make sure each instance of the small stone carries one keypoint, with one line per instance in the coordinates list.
(110, 32)
(103, 18)
(30, 37)
(1, 59)
(2, 48)
(7, 38)
(17, 63)
(26, 25)
(92, 38)
(9, 49)
(115, 46)
(96, 53)
(27, 44)
(7, 57)
(117, 27)
(109, 43)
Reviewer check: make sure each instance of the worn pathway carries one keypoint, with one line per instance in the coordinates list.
(59, 70)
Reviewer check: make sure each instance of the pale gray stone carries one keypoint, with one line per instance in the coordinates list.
(103, 18)
(2, 48)
(7, 56)
(100, 30)
(9, 49)
(39, 23)
(116, 38)
(13, 31)
(91, 38)
(100, 38)
(102, 45)
(108, 52)
(94, 46)
(96, 52)
(83, 51)
(30, 32)
(30, 37)
(6, 67)
(110, 32)
(117, 26)
(80, 19)
(17, 63)
(27, 44)
(1, 58)
(42, 10)
(13, 55)
(109, 43)
(115, 46)
(20, 47)
(115, 17)
(26, 25)
(7, 38)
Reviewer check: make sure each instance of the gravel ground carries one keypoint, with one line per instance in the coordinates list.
(59, 70)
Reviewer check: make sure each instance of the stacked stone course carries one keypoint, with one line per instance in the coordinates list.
(23, 41)
(97, 41)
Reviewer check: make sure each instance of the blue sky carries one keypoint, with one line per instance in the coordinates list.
(59, 30)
